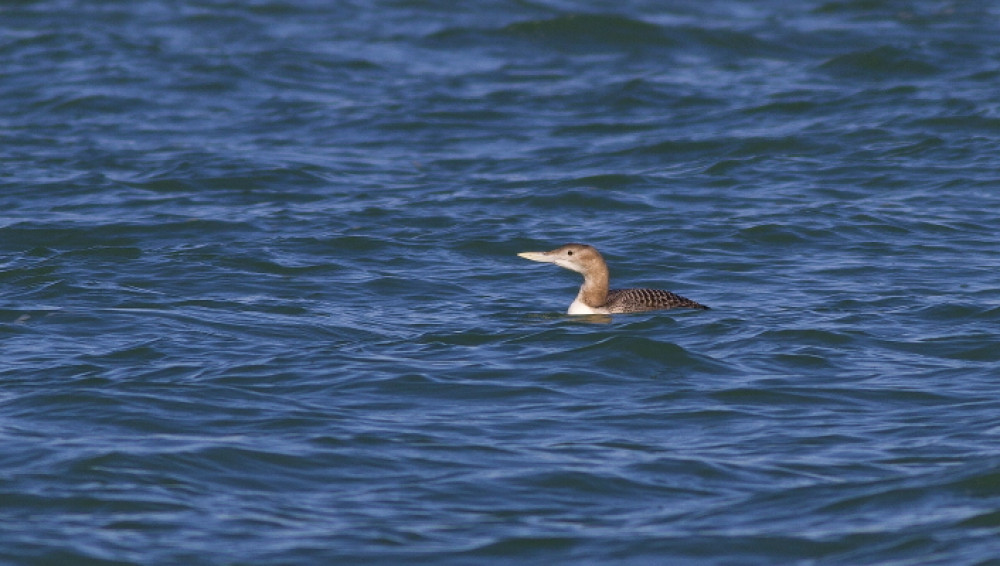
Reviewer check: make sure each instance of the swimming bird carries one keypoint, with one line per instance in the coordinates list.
(594, 296)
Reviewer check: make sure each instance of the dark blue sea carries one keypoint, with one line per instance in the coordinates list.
(260, 301)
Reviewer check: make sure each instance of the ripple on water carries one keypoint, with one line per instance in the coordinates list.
(272, 313)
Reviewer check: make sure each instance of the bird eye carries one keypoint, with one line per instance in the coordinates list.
(569, 252)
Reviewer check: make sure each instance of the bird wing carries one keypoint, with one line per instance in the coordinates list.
(638, 300)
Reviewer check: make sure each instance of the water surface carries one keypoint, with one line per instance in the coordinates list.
(260, 303)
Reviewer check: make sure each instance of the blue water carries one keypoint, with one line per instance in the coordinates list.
(260, 303)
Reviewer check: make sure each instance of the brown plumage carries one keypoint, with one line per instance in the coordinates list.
(594, 296)
(639, 300)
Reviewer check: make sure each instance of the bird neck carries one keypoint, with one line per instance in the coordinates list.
(594, 291)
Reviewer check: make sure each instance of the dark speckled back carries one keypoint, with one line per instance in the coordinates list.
(639, 300)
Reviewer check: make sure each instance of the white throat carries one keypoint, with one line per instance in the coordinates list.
(580, 307)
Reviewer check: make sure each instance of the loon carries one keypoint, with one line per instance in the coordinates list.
(594, 296)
